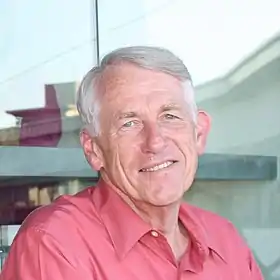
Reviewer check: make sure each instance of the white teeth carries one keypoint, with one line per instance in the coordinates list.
(158, 167)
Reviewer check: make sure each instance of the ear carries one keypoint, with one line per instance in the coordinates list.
(92, 151)
(202, 130)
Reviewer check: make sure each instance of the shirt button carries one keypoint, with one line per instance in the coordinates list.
(154, 233)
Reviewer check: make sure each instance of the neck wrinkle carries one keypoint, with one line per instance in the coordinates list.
(164, 219)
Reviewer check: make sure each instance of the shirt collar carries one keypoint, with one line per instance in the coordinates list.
(202, 230)
(126, 228)
(123, 225)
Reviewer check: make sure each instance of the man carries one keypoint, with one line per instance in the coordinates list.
(144, 133)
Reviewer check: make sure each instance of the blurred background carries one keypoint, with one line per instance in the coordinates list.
(232, 49)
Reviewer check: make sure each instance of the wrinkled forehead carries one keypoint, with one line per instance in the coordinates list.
(124, 82)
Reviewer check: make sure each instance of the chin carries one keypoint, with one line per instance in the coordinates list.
(164, 203)
(165, 200)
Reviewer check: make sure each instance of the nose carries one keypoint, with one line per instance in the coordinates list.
(154, 141)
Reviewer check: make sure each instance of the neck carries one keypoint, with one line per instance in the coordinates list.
(164, 219)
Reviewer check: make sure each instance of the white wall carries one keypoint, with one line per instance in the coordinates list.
(247, 121)
(248, 124)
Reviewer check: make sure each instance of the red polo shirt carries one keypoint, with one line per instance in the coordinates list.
(95, 235)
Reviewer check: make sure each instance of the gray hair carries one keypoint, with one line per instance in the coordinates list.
(152, 58)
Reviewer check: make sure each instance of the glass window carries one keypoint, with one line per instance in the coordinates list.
(232, 49)
(45, 49)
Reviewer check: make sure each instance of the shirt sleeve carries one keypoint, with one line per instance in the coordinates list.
(245, 254)
(36, 255)
(256, 273)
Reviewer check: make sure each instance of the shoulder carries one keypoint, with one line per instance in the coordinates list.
(223, 238)
(52, 240)
(66, 213)
(221, 234)
(208, 219)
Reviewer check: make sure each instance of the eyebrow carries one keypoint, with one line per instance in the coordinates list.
(126, 115)
(170, 107)
(164, 108)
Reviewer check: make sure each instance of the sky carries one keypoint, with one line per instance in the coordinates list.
(52, 41)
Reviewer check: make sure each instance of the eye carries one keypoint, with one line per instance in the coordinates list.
(129, 124)
(170, 117)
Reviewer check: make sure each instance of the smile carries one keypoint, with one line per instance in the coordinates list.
(158, 167)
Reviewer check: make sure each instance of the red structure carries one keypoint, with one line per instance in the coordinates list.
(41, 126)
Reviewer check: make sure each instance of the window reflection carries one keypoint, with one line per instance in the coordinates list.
(18, 201)
(232, 50)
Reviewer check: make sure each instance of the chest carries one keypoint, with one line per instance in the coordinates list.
(146, 263)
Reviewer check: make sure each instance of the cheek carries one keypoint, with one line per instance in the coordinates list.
(121, 154)
(110, 154)
(186, 140)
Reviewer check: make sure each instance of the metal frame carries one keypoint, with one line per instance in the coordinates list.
(51, 162)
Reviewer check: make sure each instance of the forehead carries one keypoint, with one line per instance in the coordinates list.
(126, 83)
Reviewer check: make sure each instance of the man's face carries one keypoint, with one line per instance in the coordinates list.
(148, 145)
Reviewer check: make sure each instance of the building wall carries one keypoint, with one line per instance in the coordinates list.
(247, 123)
(55, 53)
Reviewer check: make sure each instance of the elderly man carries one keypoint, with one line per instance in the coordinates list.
(144, 133)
